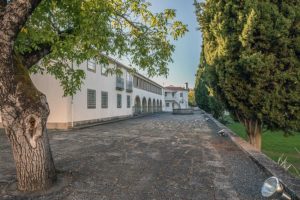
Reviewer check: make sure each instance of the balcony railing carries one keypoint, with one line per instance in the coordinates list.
(128, 86)
(119, 83)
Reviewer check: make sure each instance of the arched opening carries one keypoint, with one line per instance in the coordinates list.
(137, 105)
(144, 103)
(157, 106)
(154, 106)
(149, 106)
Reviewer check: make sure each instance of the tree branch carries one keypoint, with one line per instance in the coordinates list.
(34, 57)
(126, 19)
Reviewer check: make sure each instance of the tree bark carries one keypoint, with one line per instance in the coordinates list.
(24, 114)
(253, 129)
(33, 159)
(24, 110)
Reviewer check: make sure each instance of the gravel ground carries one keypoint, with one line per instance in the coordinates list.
(161, 156)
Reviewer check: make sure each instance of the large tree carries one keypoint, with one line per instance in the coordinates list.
(62, 31)
(253, 47)
(205, 96)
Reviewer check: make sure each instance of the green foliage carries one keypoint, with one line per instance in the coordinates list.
(252, 47)
(78, 30)
(191, 98)
(204, 91)
(274, 144)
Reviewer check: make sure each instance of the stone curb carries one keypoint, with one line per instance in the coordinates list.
(112, 121)
(270, 167)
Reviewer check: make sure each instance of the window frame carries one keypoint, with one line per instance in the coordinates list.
(128, 101)
(102, 102)
(94, 64)
(104, 66)
(119, 102)
(89, 106)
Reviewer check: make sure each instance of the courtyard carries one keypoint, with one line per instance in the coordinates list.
(162, 156)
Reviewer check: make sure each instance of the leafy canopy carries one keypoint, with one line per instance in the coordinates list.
(253, 47)
(77, 30)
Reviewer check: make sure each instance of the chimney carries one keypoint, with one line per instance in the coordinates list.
(186, 86)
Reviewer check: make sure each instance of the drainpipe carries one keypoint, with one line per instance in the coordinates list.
(72, 110)
(72, 107)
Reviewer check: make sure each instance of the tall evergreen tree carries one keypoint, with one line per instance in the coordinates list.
(253, 46)
(201, 92)
(205, 96)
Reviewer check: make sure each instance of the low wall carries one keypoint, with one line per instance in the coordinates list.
(265, 163)
(183, 111)
(84, 123)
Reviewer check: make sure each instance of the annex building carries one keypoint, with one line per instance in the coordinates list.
(176, 97)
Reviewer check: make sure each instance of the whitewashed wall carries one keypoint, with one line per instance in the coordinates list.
(65, 110)
(59, 105)
(99, 82)
(183, 101)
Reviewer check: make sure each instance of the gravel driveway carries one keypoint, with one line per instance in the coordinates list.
(162, 156)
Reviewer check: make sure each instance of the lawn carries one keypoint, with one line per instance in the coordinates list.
(274, 144)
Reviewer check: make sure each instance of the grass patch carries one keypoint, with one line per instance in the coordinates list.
(274, 144)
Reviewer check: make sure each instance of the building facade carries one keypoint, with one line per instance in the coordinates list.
(176, 98)
(148, 95)
(102, 96)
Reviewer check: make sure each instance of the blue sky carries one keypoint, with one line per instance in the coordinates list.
(187, 53)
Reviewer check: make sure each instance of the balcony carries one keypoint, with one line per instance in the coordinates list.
(119, 83)
(129, 86)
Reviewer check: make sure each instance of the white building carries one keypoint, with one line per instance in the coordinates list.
(102, 96)
(176, 98)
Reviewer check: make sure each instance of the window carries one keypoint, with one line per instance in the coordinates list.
(104, 69)
(91, 65)
(181, 94)
(119, 101)
(166, 94)
(91, 99)
(167, 104)
(128, 77)
(173, 94)
(104, 99)
(128, 101)
(135, 82)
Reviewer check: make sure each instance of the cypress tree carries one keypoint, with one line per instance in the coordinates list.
(253, 48)
(204, 93)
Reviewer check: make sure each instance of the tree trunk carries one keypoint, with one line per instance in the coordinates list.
(34, 164)
(24, 112)
(253, 129)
